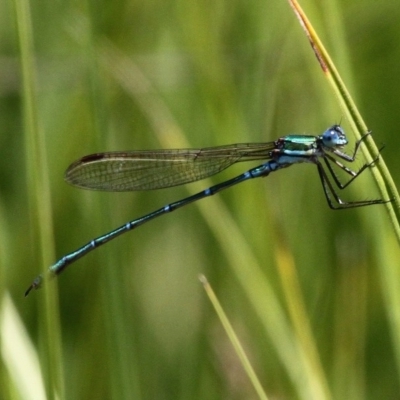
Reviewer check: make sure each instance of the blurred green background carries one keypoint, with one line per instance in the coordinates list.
(308, 290)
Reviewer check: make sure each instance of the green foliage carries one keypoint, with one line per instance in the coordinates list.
(311, 293)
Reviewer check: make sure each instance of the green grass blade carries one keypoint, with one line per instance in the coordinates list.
(41, 214)
(386, 251)
(234, 339)
(381, 173)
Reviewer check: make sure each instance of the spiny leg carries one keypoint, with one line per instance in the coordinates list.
(341, 204)
(354, 174)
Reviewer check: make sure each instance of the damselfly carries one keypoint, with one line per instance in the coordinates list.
(146, 170)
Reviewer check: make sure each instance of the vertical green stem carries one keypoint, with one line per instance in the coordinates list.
(40, 204)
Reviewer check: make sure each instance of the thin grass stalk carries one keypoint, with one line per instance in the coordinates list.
(381, 173)
(40, 203)
(234, 339)
(388, 265)
(123, 385)
(300, 319)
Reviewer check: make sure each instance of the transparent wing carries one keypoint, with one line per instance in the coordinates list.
(146, 170)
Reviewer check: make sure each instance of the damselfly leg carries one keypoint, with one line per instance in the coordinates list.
(327, 184)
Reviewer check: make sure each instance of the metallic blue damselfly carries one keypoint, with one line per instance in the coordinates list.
(156, 169)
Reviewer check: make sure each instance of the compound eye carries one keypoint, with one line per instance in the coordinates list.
(334, 137)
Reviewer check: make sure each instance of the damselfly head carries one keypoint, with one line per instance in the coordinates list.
(334, 137)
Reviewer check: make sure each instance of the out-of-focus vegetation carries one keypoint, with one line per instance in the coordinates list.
(307, 289)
